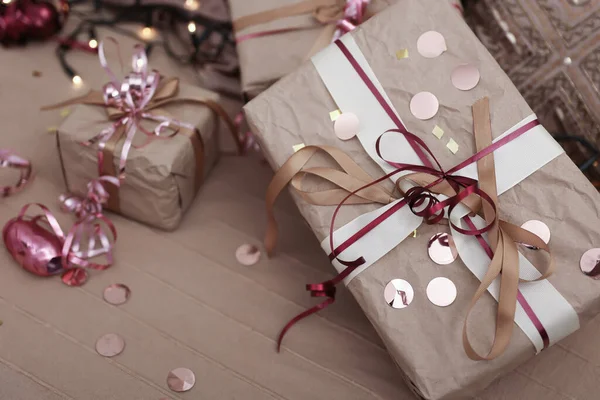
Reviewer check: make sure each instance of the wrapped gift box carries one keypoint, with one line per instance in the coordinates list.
(425, 340)
(160, 178)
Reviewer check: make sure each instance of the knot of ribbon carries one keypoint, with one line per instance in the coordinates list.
(11, 160)
(90, 205)
(354, 15)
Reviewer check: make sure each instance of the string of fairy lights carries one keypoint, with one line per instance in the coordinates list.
(203, 41)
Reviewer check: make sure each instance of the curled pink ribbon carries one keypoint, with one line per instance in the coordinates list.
(130, 97)
(354, 15)
(11, 160)
(88, 211)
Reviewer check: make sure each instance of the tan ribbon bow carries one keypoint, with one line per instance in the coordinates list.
(503, 236)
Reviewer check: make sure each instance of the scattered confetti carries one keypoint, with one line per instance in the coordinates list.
(64, 112)
(116, 294)
(181, 380)
(441, 292)
(335, 114)
(346, 126)
(297, 147)
(402, 53)
(110, 345)
(398, 293)
(452, 146)
(75, 277)
(415, 233)
(424, 105)
(36, 73)
(431, 44)
(438, 132)
(247, 254)
(465, 77)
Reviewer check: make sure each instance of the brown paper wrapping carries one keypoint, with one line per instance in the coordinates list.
(265, 60)
(426, 341)
(159, 183)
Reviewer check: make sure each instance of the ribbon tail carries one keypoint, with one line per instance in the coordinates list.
(301, 316)
(92, 98)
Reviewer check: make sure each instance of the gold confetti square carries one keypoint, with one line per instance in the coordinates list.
(52, 129)
(64, 112)
(335, 114)
(452, 146)
(402, 53)
(297, 147)
(414, 234)
(438, 132)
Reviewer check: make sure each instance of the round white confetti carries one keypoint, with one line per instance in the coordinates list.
(424, 105)
(110, 345)
(538, 228)
(465, 77)
(441, 292)
(247, 254)
(181, 380)
(431, 44)
(346, 126)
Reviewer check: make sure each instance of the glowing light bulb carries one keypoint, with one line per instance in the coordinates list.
(93, 43)
(77, 81)
(147, 33)
(139, 62)
(192, 27)
(6, 1)
(191, 4)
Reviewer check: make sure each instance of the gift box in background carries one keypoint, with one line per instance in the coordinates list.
(265, 58)
(424, 340)
(550, 49)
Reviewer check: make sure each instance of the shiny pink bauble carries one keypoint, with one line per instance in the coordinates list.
(43, 20)
(35, 248)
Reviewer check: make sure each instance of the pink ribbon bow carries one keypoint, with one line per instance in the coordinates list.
(10, 160)
(354, 14)
(88, 211)
(131, 96)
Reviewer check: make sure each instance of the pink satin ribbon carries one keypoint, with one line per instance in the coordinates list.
(11, 160)
(419, 199)
(130, 96)
(89, 213)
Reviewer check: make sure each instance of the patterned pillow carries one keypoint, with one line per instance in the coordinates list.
(551, 51)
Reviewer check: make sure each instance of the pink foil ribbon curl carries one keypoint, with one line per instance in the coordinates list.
(88, 211)
(130, 97)
(11, 160)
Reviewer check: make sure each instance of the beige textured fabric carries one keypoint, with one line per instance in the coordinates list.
(425, 340)
(182, 311)
(551, 50)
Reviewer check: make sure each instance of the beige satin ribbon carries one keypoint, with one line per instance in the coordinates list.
(503, 236)
(166, 95)
(326, 12)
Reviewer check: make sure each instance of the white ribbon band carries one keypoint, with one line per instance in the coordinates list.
(514, 162)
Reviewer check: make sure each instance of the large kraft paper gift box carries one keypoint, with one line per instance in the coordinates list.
(535, 181)
(161, 176)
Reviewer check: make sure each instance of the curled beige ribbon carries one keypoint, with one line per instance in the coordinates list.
(503, 236)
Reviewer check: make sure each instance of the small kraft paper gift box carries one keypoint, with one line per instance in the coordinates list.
(466, 235)
(159, 137)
